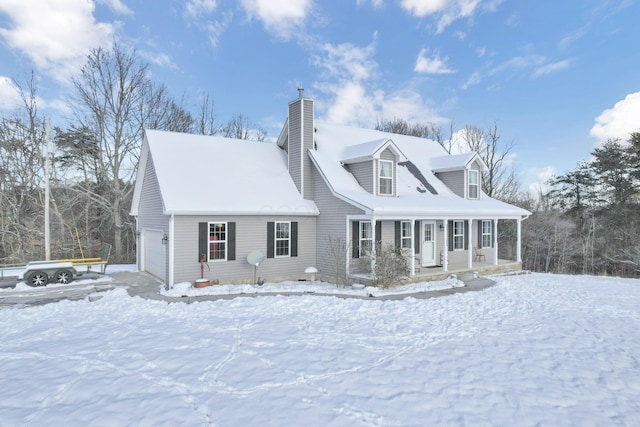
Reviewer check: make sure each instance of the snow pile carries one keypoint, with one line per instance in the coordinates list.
(532, 350)
(324, 288)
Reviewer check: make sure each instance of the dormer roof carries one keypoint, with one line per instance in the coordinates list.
(371, 150)
(456, 162)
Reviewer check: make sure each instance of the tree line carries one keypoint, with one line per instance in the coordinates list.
(94, 157)
(589, 221)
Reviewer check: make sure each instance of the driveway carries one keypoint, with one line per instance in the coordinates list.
(145, 286)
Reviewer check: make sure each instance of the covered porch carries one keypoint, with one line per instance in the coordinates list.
(434, 248)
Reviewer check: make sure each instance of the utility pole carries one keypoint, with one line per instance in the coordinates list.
(47, 172)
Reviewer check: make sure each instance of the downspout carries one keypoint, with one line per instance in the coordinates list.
(470, 245)
(445, 247)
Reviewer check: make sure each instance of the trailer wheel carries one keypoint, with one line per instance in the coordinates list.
(63, 277)
(37, 278)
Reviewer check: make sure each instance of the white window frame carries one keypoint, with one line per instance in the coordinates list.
(277, 239)
(486, 233)
(475, 185)
(362, 251)
(218, 241)
(405, 239)
(389, 178)
(458, 238)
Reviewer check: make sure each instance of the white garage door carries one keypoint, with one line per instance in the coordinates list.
(154, 253)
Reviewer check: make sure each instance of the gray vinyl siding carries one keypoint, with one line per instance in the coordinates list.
(363, 173)
(295, 145)
(251, 235)
(301, 121)
(462, 256)
(308, 145)
(150, 211)
(331, 225)
(454, 180)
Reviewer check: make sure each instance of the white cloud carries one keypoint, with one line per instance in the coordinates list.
(281, 18)
(349, 80)
(474, 79)
(542, 175)
(56, 35)
(217, 28)
(448, 11)
(619, 121)
(433, 65)
(197, 8)
(158, 58)
(375, 3)
(9, 94)
(117, 6)
(553, 67)
(536, 65)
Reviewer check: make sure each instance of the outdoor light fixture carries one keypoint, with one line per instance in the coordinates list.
(165, 239)
(441, 226)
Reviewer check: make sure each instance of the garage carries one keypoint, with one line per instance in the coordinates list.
(154, 253)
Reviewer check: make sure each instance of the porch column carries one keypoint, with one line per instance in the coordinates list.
(519, 242)
(445, 247)
(495, 241)
(373, 245)
(412, 250)
(470, 245)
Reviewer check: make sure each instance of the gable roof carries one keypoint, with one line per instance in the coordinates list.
(371, 150)
(334, 143)
(220, 176)
(456, 162)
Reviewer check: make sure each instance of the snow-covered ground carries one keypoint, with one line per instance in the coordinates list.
(308, 287)
(532, 350)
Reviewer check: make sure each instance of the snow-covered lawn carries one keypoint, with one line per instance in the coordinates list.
(532, 350)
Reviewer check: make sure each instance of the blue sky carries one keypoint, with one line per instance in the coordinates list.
(558, 77)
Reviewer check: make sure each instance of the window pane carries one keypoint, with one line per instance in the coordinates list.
(385, 186)
(365, 247)
(386, 169)
(473, 177)
(473, 191)
(282, 230)
(365, 230)
(282, 247)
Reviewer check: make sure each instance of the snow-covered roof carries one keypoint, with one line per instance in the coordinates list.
(455, 162)
(214, 175)
(370, 150)
(335, 143)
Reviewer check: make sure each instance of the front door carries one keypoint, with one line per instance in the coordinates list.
(428, 243)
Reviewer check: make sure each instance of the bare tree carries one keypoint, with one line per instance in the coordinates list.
(499, 180)
(206, 119)
(21, 179)
(238, 127)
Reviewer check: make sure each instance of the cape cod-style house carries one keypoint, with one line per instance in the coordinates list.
(322, 195)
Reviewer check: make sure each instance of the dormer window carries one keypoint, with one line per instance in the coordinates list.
(385, 178)
(474, 184)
